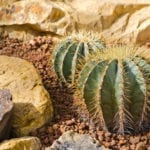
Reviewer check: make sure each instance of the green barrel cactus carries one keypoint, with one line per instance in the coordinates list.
(71, 51)
(115, 86)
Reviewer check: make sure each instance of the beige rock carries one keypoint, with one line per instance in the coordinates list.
(25, 143)
(131, 27)
(140, 146)
(43, 16)
(118, 21)
(75, 141)
(22, 32)
(32, 103)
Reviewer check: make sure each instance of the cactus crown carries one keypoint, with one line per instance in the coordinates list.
(120, 53)
(83, 36)
(115, 86)
(71, 50)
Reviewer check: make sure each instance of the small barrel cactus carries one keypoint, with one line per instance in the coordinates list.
(70, 51)
(115, 86)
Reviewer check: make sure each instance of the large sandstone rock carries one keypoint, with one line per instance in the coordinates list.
(41, 16)
(32, 103)
(6, 107)
(120, 21)
(73, 141)
(25, 143)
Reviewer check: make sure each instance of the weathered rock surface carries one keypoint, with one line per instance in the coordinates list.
(32, 103)
(25, 143)
(6, 107)
(73, 141)
(121, 21)
(41, 16)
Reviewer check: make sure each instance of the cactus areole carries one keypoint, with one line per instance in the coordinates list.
(115, 86)
(71, 51)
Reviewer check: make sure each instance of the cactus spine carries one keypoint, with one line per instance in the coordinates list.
(71, 50)
(115, 86)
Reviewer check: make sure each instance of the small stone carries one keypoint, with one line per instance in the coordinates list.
(107, 134)
(107, 139)
(50, 130)
(145, 142)
(132, 146)
(143, 138)
(46, 140)
(82, 126)
(113, 142)
(107, 144)
(94, 135)
(124, 148)
(100, 133)
(140, 146)
(70, 122)
(62, 128)
(81, 131)
(55, 126)
(134, 140)
(32, 42)
(100, 138)
(120, 137)
(127, 136)
(121, 142)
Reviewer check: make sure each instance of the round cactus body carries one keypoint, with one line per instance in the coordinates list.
(71, 51)
(116, 89)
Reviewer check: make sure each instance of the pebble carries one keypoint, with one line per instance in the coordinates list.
(107, 134)
(140, 146)
(113, 142)
(70, 122)
(46, 140)
(132, 147)
(107, 144)
(121, 142)
(100, 138)
(50, 130)
(82, 126)
(134, 140)
(55, 126)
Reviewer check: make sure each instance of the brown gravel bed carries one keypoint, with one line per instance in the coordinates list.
(67, 116)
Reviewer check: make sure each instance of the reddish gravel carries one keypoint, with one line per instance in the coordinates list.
(67, 116)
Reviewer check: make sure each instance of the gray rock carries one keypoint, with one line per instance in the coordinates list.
(6, 107)
(73, 141)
